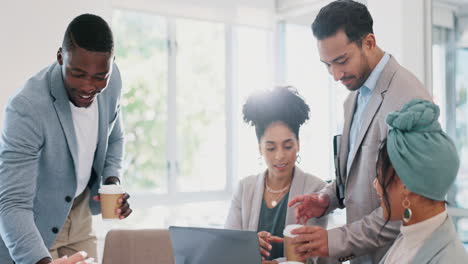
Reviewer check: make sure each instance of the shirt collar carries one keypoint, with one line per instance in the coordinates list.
(416, 233)
(371, 81)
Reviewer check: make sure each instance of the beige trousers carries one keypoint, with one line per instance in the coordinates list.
(76, 234)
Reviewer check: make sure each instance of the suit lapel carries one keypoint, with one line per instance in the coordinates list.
(368, 115)
(297, 188)
(62, 108)
(349, 108)
(374, 104)
(257, 201)
(102, 135)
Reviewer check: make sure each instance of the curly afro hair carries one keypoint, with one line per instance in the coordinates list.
(278, 104)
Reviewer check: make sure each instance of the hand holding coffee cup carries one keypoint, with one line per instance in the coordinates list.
(114, 202)
(289, 245)
(312, 240)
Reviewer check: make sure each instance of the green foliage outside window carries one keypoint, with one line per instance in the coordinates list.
(141, 56)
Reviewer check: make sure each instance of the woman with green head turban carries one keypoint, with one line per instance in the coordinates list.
(416, 167)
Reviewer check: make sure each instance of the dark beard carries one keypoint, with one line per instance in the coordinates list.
(364, 75)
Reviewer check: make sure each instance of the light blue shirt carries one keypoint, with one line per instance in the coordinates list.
(364, 95)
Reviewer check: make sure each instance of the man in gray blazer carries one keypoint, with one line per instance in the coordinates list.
(62, 137)
(378, 85)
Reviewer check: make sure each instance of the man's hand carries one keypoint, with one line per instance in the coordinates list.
(265, 239)
(309, 206)
(124, 209)
(313, 241)
(77, 258)
(269, 262)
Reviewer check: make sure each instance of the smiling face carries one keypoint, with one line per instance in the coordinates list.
(85, 74)
(347, 61)
(279, 147)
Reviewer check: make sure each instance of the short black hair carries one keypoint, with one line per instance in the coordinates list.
(89, 32)
(279, 104)
(350, 16)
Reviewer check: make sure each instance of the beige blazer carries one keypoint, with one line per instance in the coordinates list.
(442, 247)
(395, 87)
(247, 200)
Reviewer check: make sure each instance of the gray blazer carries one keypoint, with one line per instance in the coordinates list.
(38, 154)
(442, 247)
(361, 236)
(247, 200)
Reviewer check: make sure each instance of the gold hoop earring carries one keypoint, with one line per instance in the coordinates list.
(407, 213)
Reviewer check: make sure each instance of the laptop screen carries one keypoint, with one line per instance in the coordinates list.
(214, 246)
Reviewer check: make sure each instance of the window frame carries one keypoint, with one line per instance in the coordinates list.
(148, 198)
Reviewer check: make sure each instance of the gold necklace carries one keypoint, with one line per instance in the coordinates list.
(277, 193)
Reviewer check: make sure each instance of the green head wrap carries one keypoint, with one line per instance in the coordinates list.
(423, 156)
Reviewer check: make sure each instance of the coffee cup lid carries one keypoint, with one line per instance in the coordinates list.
(111, 189)
(289, 228)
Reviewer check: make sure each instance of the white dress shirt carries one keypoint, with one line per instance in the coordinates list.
(364, 96)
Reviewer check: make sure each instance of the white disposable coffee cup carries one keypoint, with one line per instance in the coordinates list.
(110, 195)
(290, 248)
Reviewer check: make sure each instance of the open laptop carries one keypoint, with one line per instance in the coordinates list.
(193, 245)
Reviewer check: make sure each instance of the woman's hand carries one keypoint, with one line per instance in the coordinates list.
(265, 239)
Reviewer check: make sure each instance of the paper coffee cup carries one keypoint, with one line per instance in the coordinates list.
(290, 248)
(110, 195)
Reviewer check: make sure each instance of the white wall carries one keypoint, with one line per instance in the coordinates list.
(30, 36)
(260, 13)
(402, 28)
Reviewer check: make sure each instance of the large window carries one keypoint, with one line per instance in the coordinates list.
(325, 97)
(305, 72)
(173, 103)
(450, 87)
(173, 107)
(460, 190)
(184, 83)
(200, 106)
(253, 68)
(142, 56)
